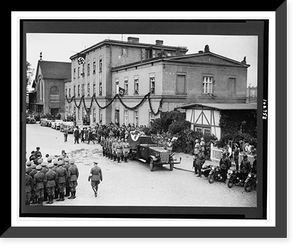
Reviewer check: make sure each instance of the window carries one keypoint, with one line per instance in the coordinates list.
(126, 86)
(100, 116)
(82, 73)
(152, 84)
(125, 117)
(94, 115)
(151, 117)
(117, 86)
(231, 86)
(181, 83)
(204, 130)
(69, 92)
(136, 118)
(54, 94)
(94, 67)
(100, 88)
(124, 52)
(74, 73)
(88, 89)
(88, 69)
(100, 65)
(78, 72)
(136, 86)
(74, 90)
(82, 90)
(94, 88)
(207, 84)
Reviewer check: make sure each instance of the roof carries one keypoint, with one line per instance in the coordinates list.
(131, 44)
(195, 58)
(221, 106)
(54, 70)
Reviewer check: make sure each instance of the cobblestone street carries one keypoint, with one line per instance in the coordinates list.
(132, 183)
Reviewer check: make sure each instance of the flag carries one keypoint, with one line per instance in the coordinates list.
(81, 59)
(121, 91)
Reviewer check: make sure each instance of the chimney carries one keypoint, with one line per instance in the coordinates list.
(41, 56)
(133, 40)
(159, 42)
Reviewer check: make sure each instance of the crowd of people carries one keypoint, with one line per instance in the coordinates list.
(50, 178)
(229, 157)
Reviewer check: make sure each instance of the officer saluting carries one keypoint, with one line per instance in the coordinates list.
(95, 177)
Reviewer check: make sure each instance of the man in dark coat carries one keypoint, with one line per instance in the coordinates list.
(28, 183)
(73, 175)
(61, 178)
(38, 181)
(76, 135)
(50, 184)
(95, 177)
(245, 166)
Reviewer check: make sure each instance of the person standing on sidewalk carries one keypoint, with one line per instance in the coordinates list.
(66, 133)
(76, 135)
(95, 177)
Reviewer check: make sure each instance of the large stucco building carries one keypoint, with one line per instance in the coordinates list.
(172, 77)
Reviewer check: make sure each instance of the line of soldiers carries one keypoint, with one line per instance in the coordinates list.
(50, 180)
(116, 149)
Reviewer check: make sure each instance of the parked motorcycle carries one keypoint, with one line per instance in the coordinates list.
(217, 174)
(250, 182)
(205, 170)
(235, 178)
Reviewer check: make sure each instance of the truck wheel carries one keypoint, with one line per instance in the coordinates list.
(171, 167)
(211, 178)
(151, 165)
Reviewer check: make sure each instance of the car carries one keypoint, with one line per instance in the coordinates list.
(57, 124)
(144, 149)
(30, 120)
(67, 124)
(45, 122)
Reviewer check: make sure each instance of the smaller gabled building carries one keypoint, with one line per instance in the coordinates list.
(49, 86)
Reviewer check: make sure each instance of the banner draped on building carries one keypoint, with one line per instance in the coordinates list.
(117, 96)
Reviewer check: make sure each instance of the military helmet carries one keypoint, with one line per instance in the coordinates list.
(72, 161)
(43, 164)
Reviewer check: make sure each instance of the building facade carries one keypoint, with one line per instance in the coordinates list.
(93, 77)
(149, 77)
(49, 86)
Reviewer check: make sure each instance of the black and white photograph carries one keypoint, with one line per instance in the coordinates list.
(141, 120)
(139, 125)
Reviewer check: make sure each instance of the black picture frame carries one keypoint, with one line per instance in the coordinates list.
(280, 230)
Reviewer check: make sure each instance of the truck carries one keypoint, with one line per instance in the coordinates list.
(144, 149)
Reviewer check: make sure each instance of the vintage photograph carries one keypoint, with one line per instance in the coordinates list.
(141, 120)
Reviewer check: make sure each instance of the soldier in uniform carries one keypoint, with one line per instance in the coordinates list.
(95, 177)
(245, 166)
(73, 174)
(28, 183)
(126, 149)
(119, 150)
(55, 166)
(195, 153)
(44, 170)
(236, 153)
(109, 144)
(66, 166)
(199, 162)
(50, 184)
(38, 181)
(114, 149)
(104, 142)
(61, 178)
(224, 163)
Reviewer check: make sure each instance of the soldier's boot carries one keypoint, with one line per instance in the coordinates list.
(34, 200)
(59, 196)
(55, 194)
(67, 192)
(27, 202)
(49, 200)
(62, 196)
(125, 159)
(40, 201)
(74, 194)
(118, 159)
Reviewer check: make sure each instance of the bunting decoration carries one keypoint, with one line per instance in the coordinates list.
(117, 96)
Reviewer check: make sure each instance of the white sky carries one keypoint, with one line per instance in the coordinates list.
(59, 47)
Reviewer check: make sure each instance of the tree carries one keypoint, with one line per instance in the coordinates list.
(29, 74)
